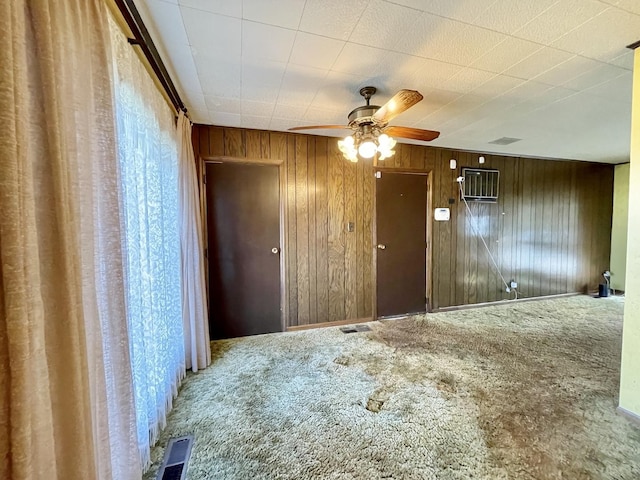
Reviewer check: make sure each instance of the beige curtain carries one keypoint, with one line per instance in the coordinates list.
(194, 301)
(66, 407)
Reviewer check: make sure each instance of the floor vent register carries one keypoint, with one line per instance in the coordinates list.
(356, 329)
(176, 459)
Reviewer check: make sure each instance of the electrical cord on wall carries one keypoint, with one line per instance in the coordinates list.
(476, 230)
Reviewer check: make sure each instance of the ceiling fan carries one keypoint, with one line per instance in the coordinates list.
(370, 123)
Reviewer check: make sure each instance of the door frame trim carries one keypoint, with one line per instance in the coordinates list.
(428, 234)
(284, 292)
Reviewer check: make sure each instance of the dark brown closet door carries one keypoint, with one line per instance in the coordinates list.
(243, 220)
(401, 212)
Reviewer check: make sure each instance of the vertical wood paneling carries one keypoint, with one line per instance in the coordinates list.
(265, 144)
(453, 231)
(417, 157)
(552, 238)
(360, 208)
(573, 231)
(539, 228)
(404, 156)
(508, 215)
(596, 271)
(436, 227)
(462, 221)
(526, 231)
(203, 144)
(483, 227)
(594, 252)
(495, 285)
(487, 227)
(195, 141)
(393, 162)
(254, 144)
(548, 240)
(350, 254)
(302, 229)
(336, 240)
(444, 234)
(313, 250)
(554, 242)
(430, 160)
(368, 189)
(216, 141)
(292, 259)
(235, 142)
(278, 146)
(473, 275)
(516, 271)
(322, 230)
(565, 201)
(605, 204)
(587, 210)
(555, 247)
(529, 227)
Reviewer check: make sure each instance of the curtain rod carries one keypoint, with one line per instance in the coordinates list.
(143, 39)
(634, 45)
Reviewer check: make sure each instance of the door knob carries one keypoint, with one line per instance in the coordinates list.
(275, 250)
(381, 246)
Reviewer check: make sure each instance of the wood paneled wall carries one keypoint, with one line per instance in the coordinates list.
(328, 269)
(549, 231)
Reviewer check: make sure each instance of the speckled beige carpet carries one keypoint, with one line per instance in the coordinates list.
(519, 391)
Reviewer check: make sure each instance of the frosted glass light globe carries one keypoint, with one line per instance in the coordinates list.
(367, 149)
(386, 142)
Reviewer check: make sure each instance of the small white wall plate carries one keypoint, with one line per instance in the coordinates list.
(442, 215)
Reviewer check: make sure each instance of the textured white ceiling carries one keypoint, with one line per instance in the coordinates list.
(554, 73)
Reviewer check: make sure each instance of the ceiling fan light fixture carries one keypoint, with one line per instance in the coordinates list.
(368, 122)
(348, 148)
(367, 149)
(385, 142)
(366, 146)
(385, 146)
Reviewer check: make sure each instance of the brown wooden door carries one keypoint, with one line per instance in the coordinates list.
(243, 221)
(401, 212)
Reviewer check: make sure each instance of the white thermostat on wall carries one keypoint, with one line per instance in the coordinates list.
(442, 215)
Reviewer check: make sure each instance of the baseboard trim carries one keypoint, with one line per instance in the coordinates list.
(505, 302)
(630, 416)
(454, 308)
(337, 323)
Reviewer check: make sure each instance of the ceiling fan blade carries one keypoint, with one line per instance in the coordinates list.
(314, 127)
(413, 133)
(401, 101)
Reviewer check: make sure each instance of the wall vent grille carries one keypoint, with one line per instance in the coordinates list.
(480, 185)
(176, 458)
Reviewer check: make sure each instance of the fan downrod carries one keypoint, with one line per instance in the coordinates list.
(368, 92)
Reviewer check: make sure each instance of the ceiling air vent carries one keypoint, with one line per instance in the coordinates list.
(505, 141)
(480, 185)
(176, 457)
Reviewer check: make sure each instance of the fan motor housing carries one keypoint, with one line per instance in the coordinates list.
(362, 115)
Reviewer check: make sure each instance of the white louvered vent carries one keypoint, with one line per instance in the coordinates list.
(480, 185)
